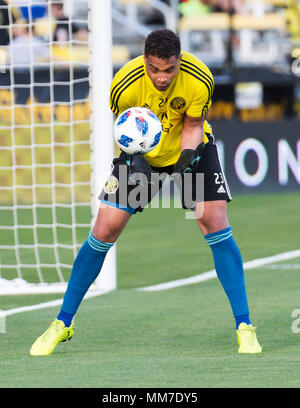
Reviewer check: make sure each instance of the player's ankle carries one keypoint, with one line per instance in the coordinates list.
(242, 319)
(65, 317)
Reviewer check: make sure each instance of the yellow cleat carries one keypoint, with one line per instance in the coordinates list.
(247, 339)
(56, 333)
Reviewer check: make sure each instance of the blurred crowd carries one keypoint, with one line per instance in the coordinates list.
(29, 28)
(188, 8)
(197, 7)
(38, 31)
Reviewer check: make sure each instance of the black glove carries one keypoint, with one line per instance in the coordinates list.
(189, 159)
(138, 165)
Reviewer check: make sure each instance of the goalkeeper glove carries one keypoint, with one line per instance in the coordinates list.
(137, 165)
(189, 159)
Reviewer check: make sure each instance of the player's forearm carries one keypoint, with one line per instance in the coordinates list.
(191, 150)
(192, 132)
(191, 137)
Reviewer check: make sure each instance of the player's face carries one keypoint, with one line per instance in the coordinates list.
(162, 71)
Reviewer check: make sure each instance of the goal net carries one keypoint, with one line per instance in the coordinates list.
(45, 142)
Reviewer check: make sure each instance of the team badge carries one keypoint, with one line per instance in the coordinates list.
(112, 185)
(177, 103)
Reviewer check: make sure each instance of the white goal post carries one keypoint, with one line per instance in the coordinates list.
(56, 141)
(102, 119)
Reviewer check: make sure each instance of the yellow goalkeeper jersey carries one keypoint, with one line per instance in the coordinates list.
(190, 92)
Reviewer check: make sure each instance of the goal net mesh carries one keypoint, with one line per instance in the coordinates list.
(45, 166)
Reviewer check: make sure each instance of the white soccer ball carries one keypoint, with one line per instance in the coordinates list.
(137, 130)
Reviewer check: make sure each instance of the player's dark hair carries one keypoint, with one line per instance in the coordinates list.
(162, 43)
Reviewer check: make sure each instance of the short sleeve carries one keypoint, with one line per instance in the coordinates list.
(125, 86)
(118, 101)
(202, 100)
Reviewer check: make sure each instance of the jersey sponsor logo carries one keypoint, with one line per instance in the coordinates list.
(167, 129)
(163, 116)
(177, 103)
(112, 185)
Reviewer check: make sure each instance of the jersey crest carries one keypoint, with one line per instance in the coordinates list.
(178, 103)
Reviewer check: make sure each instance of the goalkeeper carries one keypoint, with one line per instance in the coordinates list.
(178, 88)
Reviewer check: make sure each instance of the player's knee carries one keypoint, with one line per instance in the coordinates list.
(106, 233)
(109, 224)
(209, 224)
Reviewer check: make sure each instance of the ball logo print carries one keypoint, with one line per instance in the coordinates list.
(142, 125)
(125, 141)
(137, 130)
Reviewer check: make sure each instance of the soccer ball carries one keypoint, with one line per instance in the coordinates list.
(137, 130)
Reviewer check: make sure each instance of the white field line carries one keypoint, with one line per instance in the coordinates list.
(284, 266)
(256, 263)
(163, 286)
(51, 303)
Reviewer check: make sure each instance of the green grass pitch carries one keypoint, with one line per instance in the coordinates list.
(183, 337)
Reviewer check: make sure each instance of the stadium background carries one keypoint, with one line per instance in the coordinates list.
(253, 50)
